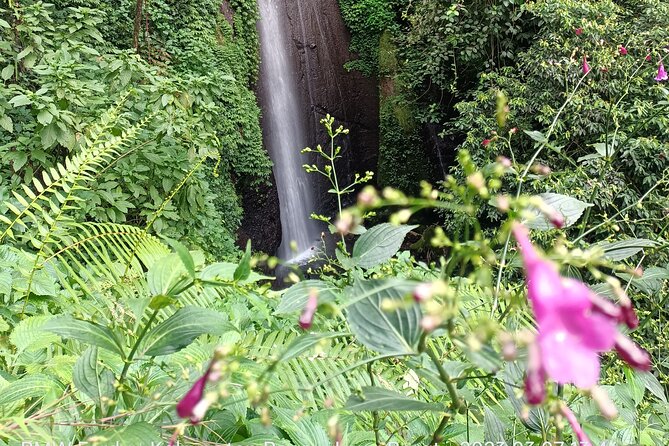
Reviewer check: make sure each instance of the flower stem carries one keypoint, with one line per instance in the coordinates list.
(133, 351)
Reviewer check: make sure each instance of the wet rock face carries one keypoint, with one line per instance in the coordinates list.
(261, 223)
(321, 44)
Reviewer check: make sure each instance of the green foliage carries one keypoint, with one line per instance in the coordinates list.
(367, 20)
(64, 63)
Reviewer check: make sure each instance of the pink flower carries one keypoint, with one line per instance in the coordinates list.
(661, 73)
(586, 67)
(648, 58)
(578, 31)
(566, 412)
(574, 324)
(622, 50)
(187, 405)
(486, 142)
(307, 316)
(535, 380)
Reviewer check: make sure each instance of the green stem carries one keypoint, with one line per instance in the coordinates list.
(442, 424)
(133, 351)
(521, 179)
(375, 414)
(335, 184)
(456, 402)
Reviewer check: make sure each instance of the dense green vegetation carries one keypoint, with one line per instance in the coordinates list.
(515, 239)
(64, 63)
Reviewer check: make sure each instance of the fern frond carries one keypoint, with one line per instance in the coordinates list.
(95, 252)
(44, 206)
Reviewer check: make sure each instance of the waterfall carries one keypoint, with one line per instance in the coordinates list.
(284, 130)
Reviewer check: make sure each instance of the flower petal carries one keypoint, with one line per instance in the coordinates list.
(567, 360)
(192, 398)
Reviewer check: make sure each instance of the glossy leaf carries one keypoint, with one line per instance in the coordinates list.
(182, 328)
(90, 378)
(389, 332)
(85, 332)
(295, 298)
(379, 244)
(570, 208)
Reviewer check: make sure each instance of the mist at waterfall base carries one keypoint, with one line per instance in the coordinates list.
(285, 136)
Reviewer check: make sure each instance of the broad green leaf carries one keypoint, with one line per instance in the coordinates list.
(225, 271)
(244, 269)
(49, 136)
(6, 281)
(6, 123)
(44, 117)
(634, 387)
(141, 433)
(379, 244)
(624, 249)
(184, 254)
(483, 356)
(295, 298)
(182, 328)
(86, 332)
(570, 208)
(90, 378)
(652, 385)
(494, 431)
(390, 332)
(167, 275)
(651, 280)
(31, 386)
(377, 399)
(28, 335)
(20, 100)
(7, 72)
(536, 135)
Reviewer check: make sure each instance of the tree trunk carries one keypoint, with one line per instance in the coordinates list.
(139, 6)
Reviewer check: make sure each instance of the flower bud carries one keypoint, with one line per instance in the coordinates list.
(503, 203)
(535, 378)
(631, 353)
(509, 350)
(200, 410)
(307, 317)
(423, 292)
(368, 197)
(606, 406)
(430, 323)
(504, 161)
(345, 223)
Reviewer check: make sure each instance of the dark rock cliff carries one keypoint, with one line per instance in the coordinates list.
(321, 43)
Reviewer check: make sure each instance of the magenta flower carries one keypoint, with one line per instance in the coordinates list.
(187, 405)
(583, 439)
(574, 325)
(622, 50)
(578, 31)
(661, 73)
(307, 316)
(486, 142)
(586, 67)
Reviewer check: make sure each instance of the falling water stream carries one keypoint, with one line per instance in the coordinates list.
(284, 133)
